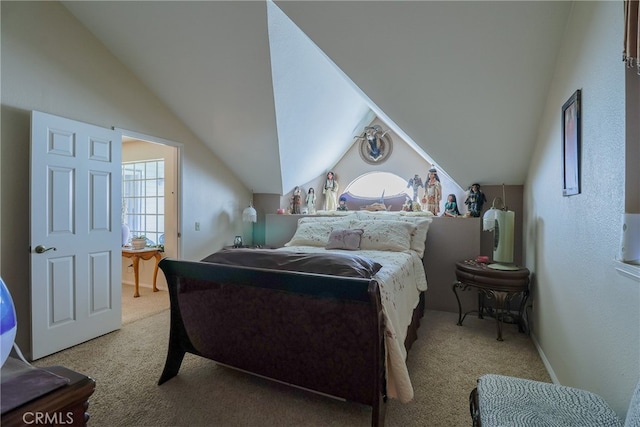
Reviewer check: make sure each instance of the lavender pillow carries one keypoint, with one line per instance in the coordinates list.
(348, 239)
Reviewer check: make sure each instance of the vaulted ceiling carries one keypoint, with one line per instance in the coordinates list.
(279, 90)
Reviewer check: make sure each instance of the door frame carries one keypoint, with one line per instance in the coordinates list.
(178, 197)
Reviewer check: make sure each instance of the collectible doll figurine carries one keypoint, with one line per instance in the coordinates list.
(342, 204)
(415, 183)
(330, 191)
(475, 200)
(296, 200)
(311, 201)
(451, 206)
(434, 192)
(408, 205)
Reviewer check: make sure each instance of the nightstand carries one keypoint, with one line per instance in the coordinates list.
(500, 285)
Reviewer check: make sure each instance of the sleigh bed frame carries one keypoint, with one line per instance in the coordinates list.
(318, 332)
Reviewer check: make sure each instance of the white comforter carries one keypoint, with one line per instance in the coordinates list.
(401, 279)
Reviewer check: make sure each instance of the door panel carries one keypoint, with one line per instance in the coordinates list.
(61, 291)
(100, 295)
(62, 183)
(75, 220)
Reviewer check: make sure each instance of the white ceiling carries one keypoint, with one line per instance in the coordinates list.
(465, 82)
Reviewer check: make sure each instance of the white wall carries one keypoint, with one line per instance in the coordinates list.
(53, 64)
(586, 317)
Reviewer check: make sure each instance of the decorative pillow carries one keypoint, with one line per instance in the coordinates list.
(385, 235)
(348, 239)
(315, 233)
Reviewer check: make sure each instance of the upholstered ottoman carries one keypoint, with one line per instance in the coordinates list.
(509, 402)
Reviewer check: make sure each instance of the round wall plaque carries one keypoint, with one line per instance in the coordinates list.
(375, 149)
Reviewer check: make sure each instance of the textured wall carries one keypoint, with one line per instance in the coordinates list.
(586, 314)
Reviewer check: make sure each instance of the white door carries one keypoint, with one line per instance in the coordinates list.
(75, 232)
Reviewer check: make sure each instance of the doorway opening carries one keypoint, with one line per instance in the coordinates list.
(151, 204)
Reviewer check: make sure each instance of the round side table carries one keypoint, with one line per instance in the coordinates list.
(500, 285)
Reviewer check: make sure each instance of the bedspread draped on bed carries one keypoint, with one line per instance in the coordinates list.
(401, 279)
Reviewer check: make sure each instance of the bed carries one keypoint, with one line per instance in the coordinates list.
(333, 311)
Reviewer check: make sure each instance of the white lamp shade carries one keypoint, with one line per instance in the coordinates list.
(489, 219)
(250, 214)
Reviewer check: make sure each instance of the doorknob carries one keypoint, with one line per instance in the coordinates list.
(41, 249)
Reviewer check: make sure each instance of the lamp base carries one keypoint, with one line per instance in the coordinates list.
(505, 267)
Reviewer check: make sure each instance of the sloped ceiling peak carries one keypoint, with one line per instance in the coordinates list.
(465, 80)
(317, 110)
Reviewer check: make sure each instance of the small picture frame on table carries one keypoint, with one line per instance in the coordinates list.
(571, 145)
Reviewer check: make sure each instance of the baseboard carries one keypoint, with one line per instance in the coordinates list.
(545, 361)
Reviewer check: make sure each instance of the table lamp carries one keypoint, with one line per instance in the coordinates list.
(249, 214)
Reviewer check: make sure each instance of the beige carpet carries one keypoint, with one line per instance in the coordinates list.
(444, 364)
(145, 305)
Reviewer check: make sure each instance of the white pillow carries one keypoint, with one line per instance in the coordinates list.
(419, 236)
(315, 233)
(385, 235)
(421, 222)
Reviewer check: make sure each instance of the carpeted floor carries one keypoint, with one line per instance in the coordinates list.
(443, 363)
(145, 305)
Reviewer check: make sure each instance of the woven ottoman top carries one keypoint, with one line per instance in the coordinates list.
(508, 401)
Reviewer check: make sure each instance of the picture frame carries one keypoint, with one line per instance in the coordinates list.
(571, 144)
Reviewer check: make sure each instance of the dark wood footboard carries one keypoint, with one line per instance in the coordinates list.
(322, 333)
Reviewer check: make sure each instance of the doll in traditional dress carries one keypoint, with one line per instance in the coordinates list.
(451, 206)
(342, 204)
(296, 201)
(434, 192)
(311, 201)
(330, 191)
(475, 200)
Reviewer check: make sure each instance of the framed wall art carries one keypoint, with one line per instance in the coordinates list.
(571, 145)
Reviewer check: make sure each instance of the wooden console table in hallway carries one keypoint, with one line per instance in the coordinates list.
(145, 254)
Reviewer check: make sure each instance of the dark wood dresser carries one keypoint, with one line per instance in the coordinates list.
(52, 396)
